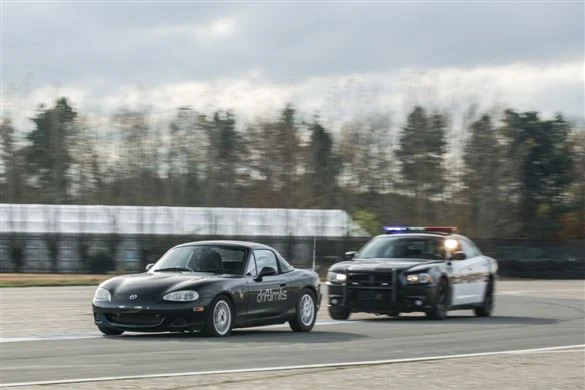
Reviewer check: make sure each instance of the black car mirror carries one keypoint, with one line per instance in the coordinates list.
(350, 255)
(149, 266)
(459, 255)
(265, 271)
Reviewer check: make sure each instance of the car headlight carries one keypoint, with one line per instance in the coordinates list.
(102, 295)
(336, 277)
(422, 278)
(182, 296)
(451, 244)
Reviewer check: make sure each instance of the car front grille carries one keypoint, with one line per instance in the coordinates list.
(135, 319)
(370, 279)
(369, 289)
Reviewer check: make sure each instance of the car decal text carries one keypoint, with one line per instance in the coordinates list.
(270, 295)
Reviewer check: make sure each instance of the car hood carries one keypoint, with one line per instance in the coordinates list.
(379, 265)
(152, 286)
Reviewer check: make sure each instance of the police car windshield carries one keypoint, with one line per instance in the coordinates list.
(402, 247)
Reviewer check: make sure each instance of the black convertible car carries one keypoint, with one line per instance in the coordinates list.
(212, 287)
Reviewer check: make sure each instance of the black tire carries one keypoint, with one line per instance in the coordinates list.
(438, 310)
(220, 318)
(393, 314)
(485, 310)
(339, 314)
(110, 331)
(306, 312)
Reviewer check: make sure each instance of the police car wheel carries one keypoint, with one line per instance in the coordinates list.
(306, 312)
(438, 310)
(485, 310)
(219, 318)
(110, 331)
(339, 314)
(393, 314)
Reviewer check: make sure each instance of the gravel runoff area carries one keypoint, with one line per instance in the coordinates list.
(561, 369)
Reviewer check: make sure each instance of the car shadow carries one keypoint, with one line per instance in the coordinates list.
(496, 320)
(247, 335)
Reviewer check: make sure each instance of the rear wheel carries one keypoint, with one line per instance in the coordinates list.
(438, 310)
(485, 310)
(110, 331)
(306, 312)
(219, 318)
(339, 314)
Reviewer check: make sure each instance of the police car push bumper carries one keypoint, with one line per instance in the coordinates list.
(373, 294)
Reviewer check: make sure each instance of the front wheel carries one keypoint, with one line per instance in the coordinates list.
(110, 331)
(219, 318)
(438, 310)
(339, 314)
(485, 310)
(306, 312)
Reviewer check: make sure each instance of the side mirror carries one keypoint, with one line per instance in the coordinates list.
(149, 266)
(265, 271)
(350, 255)
(459, 255)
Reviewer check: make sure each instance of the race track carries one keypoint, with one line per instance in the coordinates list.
(47, 334)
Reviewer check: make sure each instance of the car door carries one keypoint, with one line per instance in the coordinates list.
(478, 271)
(269, 296)
(468, 275)
(459, 286)
(293, 284)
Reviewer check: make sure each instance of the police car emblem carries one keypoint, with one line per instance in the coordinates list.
(133, 296)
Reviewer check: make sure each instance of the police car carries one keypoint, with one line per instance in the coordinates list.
(413, 269)
(212, 287)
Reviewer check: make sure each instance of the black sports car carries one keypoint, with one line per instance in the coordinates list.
(410, 269)
(209, 286)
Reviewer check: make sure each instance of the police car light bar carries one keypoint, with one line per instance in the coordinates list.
(404, 229)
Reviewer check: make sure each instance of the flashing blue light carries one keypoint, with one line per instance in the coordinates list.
(392, 229)
(397, 229)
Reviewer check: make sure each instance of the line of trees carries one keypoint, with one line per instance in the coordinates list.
(513, 174)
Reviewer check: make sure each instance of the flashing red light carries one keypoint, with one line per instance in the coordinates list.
(445, 229)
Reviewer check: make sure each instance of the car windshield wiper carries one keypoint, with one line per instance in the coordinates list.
(173, 269)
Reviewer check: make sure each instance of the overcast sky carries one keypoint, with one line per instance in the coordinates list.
(335, 57)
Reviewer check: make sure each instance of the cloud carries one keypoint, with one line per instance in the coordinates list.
(521, 86)
(216, 29)
(61, 43)
(547, 89)
(338, 58)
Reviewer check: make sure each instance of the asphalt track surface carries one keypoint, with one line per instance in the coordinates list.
(47, 334)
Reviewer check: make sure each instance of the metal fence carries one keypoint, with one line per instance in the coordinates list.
(537, 259)
(87, 253)
(130, 253)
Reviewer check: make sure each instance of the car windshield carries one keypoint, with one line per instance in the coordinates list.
(202, 258)
(416, 247)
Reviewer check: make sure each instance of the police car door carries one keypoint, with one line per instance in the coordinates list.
(466, 267)
(459, 287)
(268, 296)
(478, 268)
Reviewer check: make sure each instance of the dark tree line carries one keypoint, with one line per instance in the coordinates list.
(518, 175)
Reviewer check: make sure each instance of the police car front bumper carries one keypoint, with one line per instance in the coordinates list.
(396, 298)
